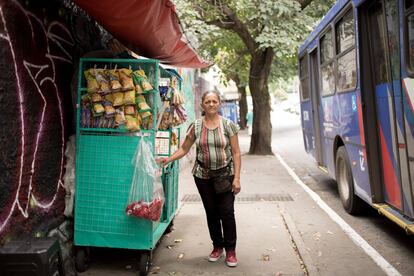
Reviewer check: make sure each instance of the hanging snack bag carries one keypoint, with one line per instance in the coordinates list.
(96, 98)
(119, 116)
(103, 80)
(129, 97)
(117, 99)
(141, 79)
(126, 79)
(129, 110)
(132, 123)
(91, 82)
(114, 79)
(98, 109)
(109, 109)
(142, 104)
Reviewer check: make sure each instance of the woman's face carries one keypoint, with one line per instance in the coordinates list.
(211, 104)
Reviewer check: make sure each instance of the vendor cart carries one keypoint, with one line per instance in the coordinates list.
(104, 172)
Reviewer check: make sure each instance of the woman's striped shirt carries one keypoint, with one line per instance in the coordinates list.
(213, 145)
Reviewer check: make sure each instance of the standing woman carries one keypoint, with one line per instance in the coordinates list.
(216, 173)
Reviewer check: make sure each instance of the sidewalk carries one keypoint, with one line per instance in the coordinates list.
(280, 230)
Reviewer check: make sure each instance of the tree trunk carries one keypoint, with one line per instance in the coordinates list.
(261, 140)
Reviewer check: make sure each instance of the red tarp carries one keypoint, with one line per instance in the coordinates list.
(148, 27)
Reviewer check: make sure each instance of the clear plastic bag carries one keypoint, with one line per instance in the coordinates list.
(146, 196)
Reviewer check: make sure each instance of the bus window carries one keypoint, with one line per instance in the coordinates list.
(304, 78)
(345, 49)
(327, 64)
(378, 47)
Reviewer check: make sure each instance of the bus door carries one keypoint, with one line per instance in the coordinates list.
(314, 77)
(381, 92)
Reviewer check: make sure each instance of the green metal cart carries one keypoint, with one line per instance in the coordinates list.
(104, 173)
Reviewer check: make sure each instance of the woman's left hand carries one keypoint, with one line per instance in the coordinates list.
(236, 186)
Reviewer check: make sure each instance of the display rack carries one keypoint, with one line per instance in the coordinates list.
(104, 173)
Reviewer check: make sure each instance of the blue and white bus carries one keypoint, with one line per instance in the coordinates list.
(356, 72)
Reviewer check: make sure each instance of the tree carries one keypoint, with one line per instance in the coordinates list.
(270, 31)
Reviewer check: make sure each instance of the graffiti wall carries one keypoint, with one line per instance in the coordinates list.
(39, 48)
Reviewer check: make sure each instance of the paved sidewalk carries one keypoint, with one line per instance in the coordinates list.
(281, 231)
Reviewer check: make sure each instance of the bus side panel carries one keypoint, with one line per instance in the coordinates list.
(351, 125)
(307, 127)
(386, 138)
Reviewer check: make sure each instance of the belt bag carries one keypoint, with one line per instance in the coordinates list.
(222, 179)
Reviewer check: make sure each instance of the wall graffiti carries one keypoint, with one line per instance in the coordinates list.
(35, 53)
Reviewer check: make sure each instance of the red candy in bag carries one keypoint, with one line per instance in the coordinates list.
(146, 210)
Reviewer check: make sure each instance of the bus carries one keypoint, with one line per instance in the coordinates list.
(356, 71)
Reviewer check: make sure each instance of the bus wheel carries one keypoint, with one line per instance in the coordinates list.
(351, 202)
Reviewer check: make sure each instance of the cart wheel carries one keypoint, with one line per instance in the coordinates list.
(169, 227)
(82, 259)
(144, 263)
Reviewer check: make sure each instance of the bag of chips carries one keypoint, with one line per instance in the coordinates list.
(129, 110)
(142, 104)
(132, 123)
(126, 79)
(114, 80)
(119, 117)
(140, 79)
(117, 99)
(98, 109)
(91, 82)
(129, 97)
(103, 80)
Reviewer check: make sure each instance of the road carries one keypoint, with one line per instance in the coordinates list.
(382, 234)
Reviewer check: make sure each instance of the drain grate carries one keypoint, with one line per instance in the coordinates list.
(244, 198)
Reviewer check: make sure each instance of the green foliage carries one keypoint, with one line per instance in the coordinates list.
(281, 25)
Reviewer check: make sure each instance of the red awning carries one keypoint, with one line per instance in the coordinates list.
(148, 27)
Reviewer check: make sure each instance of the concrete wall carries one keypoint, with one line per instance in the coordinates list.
(40, 44)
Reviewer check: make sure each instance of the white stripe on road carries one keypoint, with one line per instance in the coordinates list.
(355, 237)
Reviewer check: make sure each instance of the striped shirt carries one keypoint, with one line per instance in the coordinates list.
(213, 145)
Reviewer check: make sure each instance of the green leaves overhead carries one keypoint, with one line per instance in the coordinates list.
(228, 32)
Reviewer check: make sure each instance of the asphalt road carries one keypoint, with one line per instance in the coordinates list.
(382, 234)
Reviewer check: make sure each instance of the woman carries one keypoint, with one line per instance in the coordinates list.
(218, 152)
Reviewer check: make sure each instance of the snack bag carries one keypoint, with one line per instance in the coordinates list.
(119, 117)
(98, 109)
(109, 109)
(146, 195)
(103, 80)
(132, 123)
(126, 79)
(114, 80)
(117, 99)
(142, 85)
(129, 110)
(129, 97)
(142, 104)
(96, 98)
(91, 82)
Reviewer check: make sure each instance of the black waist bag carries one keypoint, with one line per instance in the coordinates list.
(222, 179)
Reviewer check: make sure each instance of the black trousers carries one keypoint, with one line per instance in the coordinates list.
(220, 214)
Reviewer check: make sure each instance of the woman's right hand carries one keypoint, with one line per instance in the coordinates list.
(162, 161)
